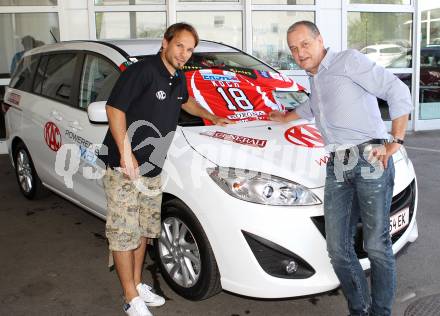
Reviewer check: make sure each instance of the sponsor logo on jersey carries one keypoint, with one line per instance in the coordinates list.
(305, 135)
(215, 77)
(161, 95)
(246, 114)
(242, 140)
(264, 73)
(52, 136)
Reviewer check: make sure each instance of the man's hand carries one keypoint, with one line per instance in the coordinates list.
(130, 166)
(277, 116)
(383, 153)
(222, 121)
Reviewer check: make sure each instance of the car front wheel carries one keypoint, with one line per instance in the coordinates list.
(184, 254)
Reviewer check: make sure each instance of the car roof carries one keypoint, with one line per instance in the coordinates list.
(132, 47)
(140, 47)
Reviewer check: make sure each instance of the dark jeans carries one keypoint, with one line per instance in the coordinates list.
(350, 194)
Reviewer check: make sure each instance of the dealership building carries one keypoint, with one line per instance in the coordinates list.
(402, 35)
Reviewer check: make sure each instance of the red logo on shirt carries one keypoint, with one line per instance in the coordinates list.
(52, 136)
(305, 135)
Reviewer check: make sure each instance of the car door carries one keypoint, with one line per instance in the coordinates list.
(52, 88)
(97, 78)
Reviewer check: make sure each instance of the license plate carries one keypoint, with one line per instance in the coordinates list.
(399, 221)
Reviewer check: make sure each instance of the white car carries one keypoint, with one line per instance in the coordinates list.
(384, 54)
(242, 207)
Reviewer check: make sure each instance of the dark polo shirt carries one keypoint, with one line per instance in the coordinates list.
(151, 98)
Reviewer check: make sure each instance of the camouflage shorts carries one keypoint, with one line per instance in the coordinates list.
(133, 209)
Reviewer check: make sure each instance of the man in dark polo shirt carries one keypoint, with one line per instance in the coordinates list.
(143, 111)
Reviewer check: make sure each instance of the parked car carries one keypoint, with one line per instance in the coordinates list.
(384, 54)
(243, 204)
(429, 72)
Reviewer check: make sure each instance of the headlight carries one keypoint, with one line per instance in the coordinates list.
(262, 188)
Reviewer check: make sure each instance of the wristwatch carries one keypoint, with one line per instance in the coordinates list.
(396, 140)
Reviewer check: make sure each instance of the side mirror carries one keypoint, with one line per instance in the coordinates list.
(96, 112)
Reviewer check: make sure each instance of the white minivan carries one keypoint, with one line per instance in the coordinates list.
(243, 204)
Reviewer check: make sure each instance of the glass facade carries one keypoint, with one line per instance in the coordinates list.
(124, 25)
(24, 31)
(381, 1)
(269, 36)
(384, 37)
(293, 2)
(28, 2)
(381, 29)
(128, 2)
(225, 27)
(429, 93)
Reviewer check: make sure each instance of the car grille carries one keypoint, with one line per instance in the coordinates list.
(406, 198)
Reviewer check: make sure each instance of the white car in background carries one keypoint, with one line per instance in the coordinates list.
(243, 204)
(384, 54)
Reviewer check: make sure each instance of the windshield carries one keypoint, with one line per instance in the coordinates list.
(226, 60)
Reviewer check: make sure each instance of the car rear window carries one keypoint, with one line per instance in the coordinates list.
(22, 77)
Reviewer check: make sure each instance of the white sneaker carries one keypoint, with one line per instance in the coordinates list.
(137, 307)
(150, 298)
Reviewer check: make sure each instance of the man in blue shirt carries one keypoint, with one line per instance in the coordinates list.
(360, 172)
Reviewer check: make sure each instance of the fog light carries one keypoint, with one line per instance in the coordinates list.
(291, 267)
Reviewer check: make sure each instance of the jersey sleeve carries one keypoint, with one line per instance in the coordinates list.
(129, 86)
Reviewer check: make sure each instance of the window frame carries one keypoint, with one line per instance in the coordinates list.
(83, 64)
(75, 91)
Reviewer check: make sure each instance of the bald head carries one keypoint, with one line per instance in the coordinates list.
(309, 25)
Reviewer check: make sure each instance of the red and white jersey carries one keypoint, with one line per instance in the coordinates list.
(239, 95)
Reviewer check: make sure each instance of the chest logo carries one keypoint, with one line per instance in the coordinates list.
(161, 95)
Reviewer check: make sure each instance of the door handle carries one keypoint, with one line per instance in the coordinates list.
(56, 115)
(75, 125)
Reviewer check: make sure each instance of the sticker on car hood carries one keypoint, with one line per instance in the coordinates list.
(305, 135)
(243, 140)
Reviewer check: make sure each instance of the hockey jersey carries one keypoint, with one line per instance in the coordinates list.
(238, 94)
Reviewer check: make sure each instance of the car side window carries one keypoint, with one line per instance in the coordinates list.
(58, 79)
(97, 80)
(40, 75)
(23, 75)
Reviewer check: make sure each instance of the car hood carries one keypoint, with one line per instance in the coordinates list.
(292, 151)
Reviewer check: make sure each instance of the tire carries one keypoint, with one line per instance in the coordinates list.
(177, 257)
(27, 178)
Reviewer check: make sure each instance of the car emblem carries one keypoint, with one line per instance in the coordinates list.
(305, 135)
(161, 95)
(52, 136)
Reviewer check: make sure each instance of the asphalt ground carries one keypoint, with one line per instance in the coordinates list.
(54, 257)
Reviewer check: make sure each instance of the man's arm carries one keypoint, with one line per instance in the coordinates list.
(385, 85)
(193, 108)
(118, 128)
(303, 110)
(283, 117)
